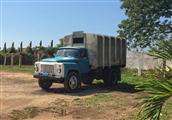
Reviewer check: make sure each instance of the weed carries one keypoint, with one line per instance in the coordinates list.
(58, 107)
(28, 112)
(95, 100)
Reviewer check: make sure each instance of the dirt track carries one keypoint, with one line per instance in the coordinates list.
(19, 90)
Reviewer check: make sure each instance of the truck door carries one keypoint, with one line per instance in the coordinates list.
(84, 61)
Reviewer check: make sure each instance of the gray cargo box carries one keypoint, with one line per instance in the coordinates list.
(103, 51)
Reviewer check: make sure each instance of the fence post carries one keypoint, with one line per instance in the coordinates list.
(140, 63)
(20, 54)
(5, 60)
(12, 59)
(5, 50)
(20, 60)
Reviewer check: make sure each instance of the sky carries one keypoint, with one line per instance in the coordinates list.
(46, 20)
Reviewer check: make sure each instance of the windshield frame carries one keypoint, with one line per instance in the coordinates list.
(64, 54)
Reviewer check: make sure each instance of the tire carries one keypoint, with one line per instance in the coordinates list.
(72, 82)
(112, 76)
(45, 84)
(106, 77)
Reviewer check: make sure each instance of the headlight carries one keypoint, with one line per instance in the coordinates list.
(59, 68)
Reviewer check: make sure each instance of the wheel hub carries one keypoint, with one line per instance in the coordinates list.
(73, 82)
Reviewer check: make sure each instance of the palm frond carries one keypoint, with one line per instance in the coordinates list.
(164, 50)
(158, 93)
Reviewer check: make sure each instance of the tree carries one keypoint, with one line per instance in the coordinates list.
(5, 48)
(148, 22)
(12, 49)
(47, 51)
(159, 90)
(51, 43)
(29, 51)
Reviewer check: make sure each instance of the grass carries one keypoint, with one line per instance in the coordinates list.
(28, 112)
(95, 100)
(16, 68)
(93, 107)
(58, 107)
(167, 112)
(130, 77)
(168, 107)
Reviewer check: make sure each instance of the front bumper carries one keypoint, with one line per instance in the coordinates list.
(52, 78)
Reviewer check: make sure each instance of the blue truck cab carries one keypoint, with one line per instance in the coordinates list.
(82, 59)
(73, 64)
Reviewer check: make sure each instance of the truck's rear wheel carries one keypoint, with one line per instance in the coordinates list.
(45, 84)
(72, 82)
(112, 76)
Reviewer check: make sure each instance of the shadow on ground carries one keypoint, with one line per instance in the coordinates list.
(92, 89)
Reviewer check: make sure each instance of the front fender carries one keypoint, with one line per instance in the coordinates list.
(69, 66)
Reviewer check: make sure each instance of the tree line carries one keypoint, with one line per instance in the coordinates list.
(26, 55)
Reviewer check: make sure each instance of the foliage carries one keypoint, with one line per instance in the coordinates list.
(159, 91)
(49, 50)
(130, 77)
(148, 22)
(163, 51)
(152, 105)
(29, 51)
(12, 49)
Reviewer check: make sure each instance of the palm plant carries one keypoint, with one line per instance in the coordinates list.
(159, 91)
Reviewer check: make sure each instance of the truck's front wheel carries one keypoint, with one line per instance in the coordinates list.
(72, 82)
(44, 84)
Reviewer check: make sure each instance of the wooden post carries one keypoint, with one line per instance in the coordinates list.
(20, 60)
(5, 60)
(20, 55)
(140, 63)
(12, 59)
(5, 50)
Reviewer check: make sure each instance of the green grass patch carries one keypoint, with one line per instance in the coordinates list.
(16, 68)
(95, 100)
(130, 77)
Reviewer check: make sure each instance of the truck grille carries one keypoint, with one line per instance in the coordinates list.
(47, 68)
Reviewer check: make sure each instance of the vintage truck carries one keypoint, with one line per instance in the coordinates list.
(83, 58)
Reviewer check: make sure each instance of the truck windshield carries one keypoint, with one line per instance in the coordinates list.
(67, 53)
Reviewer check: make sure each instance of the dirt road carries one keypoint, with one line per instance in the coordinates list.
(21, 96)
